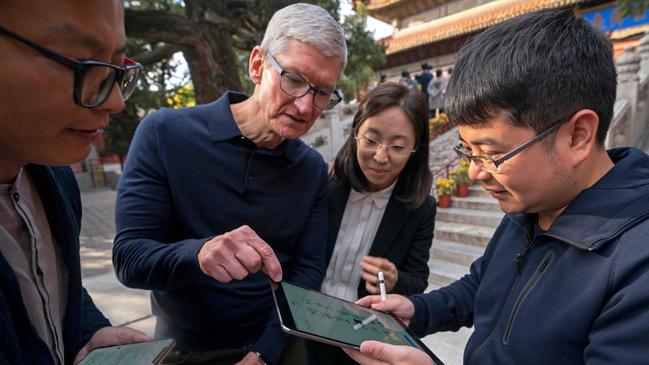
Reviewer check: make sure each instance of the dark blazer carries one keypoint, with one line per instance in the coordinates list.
(404, 237)
(19, 341)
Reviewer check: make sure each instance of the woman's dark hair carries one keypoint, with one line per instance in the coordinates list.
(415, 179)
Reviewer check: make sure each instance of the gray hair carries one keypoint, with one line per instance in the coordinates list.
(306, 23)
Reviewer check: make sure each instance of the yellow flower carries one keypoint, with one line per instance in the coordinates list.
(444, 186)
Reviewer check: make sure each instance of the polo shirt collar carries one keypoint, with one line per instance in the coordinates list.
(223, 127)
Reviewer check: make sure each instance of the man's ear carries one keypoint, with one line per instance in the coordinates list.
(581, 135)
(256, 65)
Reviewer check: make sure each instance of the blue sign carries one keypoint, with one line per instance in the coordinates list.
(610, 19)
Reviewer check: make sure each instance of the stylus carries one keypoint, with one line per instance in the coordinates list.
(365, 322)
(382, 286)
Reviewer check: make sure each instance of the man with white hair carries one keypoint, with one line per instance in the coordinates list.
(212, 194)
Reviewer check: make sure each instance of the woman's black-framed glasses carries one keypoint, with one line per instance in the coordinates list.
(492, 165)
(93, 80)
(296, 86)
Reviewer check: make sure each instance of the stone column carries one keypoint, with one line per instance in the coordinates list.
(642, 113)
(643, 50)
(628, 66)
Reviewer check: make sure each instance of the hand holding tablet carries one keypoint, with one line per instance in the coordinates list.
(316, 316)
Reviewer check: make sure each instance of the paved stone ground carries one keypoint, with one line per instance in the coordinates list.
(120, 304)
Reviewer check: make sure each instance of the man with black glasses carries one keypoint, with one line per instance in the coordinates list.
(62, 73)
(217, 199)
(564, 279)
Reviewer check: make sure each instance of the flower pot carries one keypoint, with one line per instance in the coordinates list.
(462, 190)
(444, 201)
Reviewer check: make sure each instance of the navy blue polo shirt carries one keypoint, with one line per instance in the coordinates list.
(190, 176)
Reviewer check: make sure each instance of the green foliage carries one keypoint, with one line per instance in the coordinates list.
(159, 82)
(364, 53)
(632, 7)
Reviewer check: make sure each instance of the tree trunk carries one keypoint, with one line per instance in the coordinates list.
(207, 49)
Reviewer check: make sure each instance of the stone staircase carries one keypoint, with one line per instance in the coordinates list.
(462, 233)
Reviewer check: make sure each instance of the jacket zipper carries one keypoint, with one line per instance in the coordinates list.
(547, 260)
(520, 260)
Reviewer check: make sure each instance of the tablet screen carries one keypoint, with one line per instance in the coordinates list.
(325, 316)
(141, 353)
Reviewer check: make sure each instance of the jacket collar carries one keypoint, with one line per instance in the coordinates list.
(393, 219)
(599, 214)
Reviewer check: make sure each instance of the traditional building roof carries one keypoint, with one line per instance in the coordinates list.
(387, 10)
(468, 21)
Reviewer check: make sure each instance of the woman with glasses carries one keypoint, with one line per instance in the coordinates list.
(381, 213)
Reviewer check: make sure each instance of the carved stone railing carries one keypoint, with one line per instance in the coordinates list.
(630, 123)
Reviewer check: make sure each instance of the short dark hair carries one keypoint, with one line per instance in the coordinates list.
(538, 68)
(415, 179)
(405, 73)
(438, 73)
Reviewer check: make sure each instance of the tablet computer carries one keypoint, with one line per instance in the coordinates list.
(323, 318)
(140, 353)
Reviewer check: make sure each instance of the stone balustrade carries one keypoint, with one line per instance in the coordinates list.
(630, 124)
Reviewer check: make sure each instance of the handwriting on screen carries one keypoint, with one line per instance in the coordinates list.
(346, 314)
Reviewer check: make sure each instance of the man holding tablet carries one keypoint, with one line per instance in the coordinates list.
(564, 279)
(64, 69)
(334, 321)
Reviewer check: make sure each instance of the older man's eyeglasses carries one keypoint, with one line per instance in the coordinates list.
(296, 86)
(373, 146)
(93, 80)
(493, 165)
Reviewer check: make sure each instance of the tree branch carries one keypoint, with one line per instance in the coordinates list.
(159, 26)
(157, 54)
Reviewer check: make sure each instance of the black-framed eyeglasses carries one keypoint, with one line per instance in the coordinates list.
(294, 85)
(373, 146)
(491, 164)
(93, 80)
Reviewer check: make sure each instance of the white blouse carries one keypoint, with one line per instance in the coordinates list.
(360, 222)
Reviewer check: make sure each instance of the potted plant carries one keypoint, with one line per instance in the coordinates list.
(438, 125)
(443, 188)
(461, 177)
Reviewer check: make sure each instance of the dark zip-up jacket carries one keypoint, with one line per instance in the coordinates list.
(577, 293)
(19, 342)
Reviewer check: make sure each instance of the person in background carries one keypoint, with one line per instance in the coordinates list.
(424, 78)
(381, 213)
(407, 81)
(215, 196)
(564, 278)
(63, 73)
(435, 94)
(447, 78)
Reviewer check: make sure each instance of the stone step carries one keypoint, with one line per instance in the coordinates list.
(456, 253)
(477, 217)
(475, 203)
(443, 273)
(463, 233)
(449, 346)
